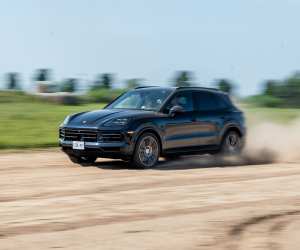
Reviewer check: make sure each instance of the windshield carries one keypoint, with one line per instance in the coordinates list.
(144, 99)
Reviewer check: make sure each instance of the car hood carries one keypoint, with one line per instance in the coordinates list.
(99, 117)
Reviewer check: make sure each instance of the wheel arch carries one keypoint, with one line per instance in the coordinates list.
(149, 130)
(231, 127)
(235, 129)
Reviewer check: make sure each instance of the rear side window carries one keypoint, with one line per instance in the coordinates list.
(206, 101)
(226, 101)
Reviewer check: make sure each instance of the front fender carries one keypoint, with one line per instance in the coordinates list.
(148, 127)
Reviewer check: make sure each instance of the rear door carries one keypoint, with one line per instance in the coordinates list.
(209, 116)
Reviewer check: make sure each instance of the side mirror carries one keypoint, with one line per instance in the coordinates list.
(175, 110)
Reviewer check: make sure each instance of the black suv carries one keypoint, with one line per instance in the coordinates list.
(148, 122)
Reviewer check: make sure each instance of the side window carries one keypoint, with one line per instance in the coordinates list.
(227, 101)
(183, 99)
(205, 101)
(220, 102)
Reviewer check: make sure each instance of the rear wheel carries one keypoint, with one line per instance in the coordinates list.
(82, 159)
(232, 143)
(147, 151)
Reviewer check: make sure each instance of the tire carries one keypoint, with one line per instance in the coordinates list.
(82, 159)
(147, 151)
(232, 144)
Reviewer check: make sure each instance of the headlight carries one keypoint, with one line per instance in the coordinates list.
(117, 122)
(66, 121)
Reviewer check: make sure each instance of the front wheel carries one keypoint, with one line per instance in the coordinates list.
(232, 144)
(147, 151)
(82, 159)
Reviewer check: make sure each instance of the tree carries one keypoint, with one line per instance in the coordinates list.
(69, 85)
(291, 91)
(12, 79)
(183, 79)
(103, 81)
(42, 75)
(225, 86)
(270, 87)
(285, 92)
(107, 80)
(133, 83)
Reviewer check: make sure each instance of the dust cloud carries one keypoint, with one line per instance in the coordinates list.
(273, 141)
(266, 143)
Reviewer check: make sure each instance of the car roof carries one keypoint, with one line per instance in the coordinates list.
(194, 88)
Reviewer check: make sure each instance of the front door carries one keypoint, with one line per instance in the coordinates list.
(181, 130)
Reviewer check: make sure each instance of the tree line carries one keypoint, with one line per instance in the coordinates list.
(43, 78)
(283, 93)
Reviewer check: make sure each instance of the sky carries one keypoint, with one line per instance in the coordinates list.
(245, 41)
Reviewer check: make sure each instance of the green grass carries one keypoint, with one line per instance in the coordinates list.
(33, 124)
(278, 115)
(16, 97)
(26, 122)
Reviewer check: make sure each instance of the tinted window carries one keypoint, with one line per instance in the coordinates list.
(226, 100)
(147, 99)
(205, 101)
(183, 99)
(220, 101)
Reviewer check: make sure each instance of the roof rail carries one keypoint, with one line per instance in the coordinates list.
(196, 87)
(187, 87)
(143, 87)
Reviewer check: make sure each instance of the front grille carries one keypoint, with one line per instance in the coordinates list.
(70, 134)
(110, 136)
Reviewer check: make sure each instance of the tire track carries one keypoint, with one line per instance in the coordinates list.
(54, 226)
(278, 221)
(165, 183)
(46, 202)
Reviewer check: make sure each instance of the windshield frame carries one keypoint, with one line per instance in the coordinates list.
(172, 90)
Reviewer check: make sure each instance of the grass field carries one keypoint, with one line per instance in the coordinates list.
(278, 115)
(33, 124)
(29, 123)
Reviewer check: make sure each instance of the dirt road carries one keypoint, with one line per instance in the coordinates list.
(48, 203)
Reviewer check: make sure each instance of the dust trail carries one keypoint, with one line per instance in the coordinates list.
(280, 142)
(266, 143)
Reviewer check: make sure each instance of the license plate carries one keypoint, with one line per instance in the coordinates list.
(78, 145)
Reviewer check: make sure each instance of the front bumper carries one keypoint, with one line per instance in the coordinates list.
(105, 150)
(108, 147)
(94, 145)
